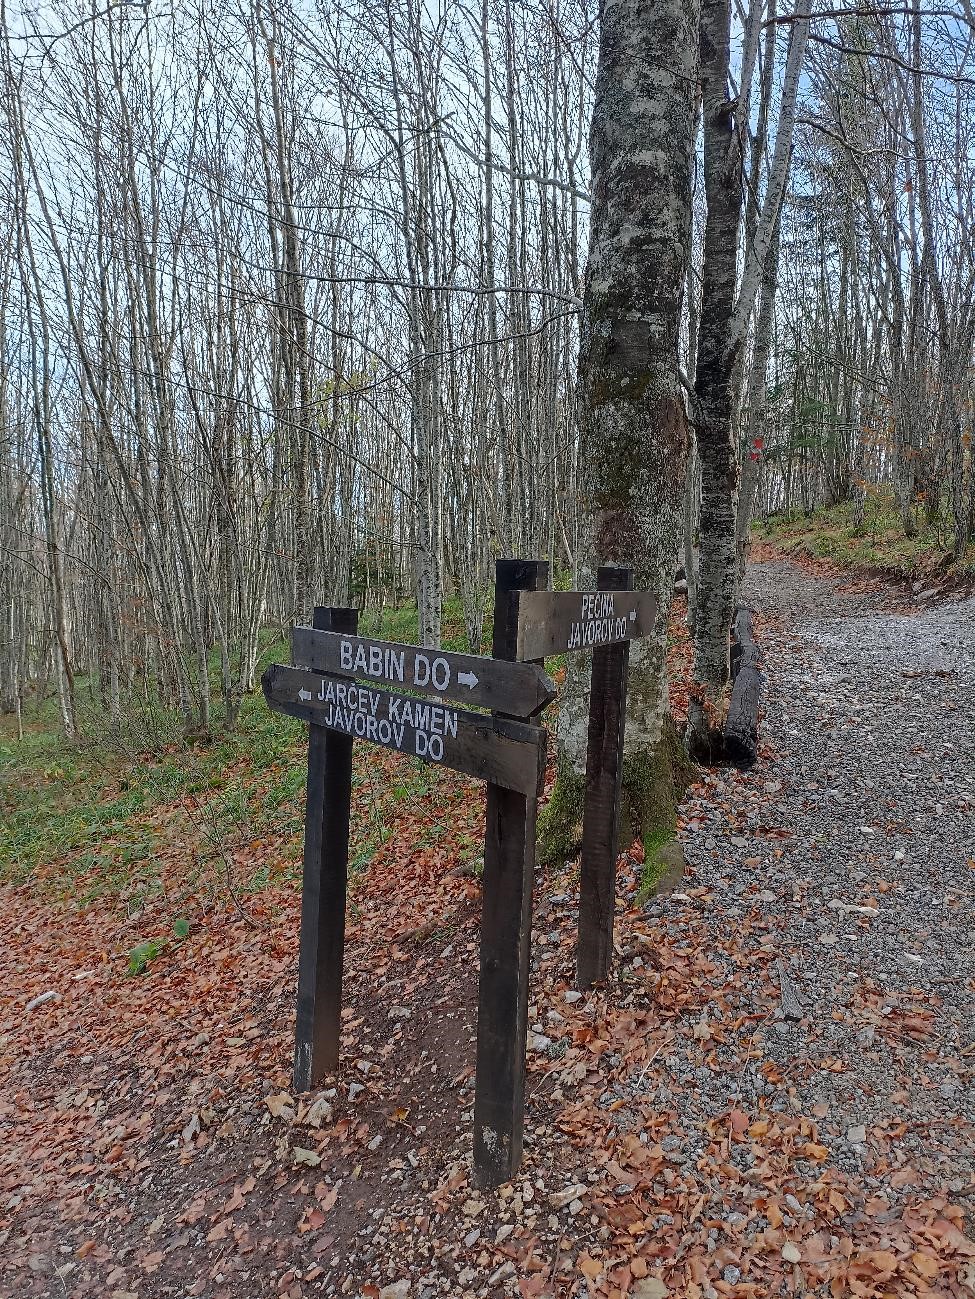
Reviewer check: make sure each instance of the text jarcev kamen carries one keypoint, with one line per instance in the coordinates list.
(411, 725)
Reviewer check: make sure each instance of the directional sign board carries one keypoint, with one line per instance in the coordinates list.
(507, 753)
(519, 689)
(557, 622)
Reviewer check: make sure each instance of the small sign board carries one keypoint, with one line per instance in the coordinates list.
(506, 753)
(559, 622)
(519, 689)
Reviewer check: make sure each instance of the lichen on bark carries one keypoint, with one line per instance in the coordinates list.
(632, 414)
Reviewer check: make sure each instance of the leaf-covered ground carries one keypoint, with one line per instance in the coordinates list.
(683, 1136)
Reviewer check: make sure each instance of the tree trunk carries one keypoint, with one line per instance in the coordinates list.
(633, 423)
(717, 352)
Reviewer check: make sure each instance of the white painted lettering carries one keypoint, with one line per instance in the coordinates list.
(421, 670)
(441, 673)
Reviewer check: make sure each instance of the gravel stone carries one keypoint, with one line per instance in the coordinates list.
(848, 845)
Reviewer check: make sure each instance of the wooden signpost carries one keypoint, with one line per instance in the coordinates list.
(518, 689)
(600, 818)
(506, 922)
(336, 686)
(558, 622)
(335, 690)
(505, 752)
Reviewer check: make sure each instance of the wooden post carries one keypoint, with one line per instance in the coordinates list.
(601, 814)
(323, 889)
(509, 868)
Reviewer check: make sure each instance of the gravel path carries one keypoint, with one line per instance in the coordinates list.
(852, 842)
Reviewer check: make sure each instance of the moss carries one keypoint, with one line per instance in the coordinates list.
(663, 866)
(560, 820)
(653, 786)
(619, 386)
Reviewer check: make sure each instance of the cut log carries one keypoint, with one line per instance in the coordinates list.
(741, 726)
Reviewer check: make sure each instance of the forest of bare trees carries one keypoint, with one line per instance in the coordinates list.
(291, 296)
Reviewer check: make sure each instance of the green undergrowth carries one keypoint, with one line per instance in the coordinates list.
(400, 623)
(876, 544)
(123, 808)
(663, 864)
(108, 814)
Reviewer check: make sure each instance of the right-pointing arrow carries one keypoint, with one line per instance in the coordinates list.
(467, 679)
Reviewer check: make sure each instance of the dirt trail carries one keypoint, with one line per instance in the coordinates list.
(684, 1137)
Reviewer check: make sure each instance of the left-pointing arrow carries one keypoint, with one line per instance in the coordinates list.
(304, 694)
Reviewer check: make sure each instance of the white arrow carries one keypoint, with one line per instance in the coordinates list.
(304, 694)
(467, 679)
(632, 615)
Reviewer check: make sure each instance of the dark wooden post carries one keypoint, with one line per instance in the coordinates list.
(509, 868)
(323, 889)
(600, 822)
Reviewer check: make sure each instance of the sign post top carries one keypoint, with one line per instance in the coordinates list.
(508, 753)
(559, 622)
(519, 689)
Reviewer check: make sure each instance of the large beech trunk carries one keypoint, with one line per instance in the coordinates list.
(634, 428)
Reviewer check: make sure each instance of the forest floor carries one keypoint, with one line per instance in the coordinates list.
(684, 1136)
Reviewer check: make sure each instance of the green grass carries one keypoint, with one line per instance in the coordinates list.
(401, 623)
(101, 815)
(877, 544)
(662, 863)
(86, 814)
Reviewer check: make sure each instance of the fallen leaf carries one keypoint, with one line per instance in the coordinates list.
(281, 1106)
(308, 1157)
(589, 1266)
(926, 1265)
(649, 1288)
